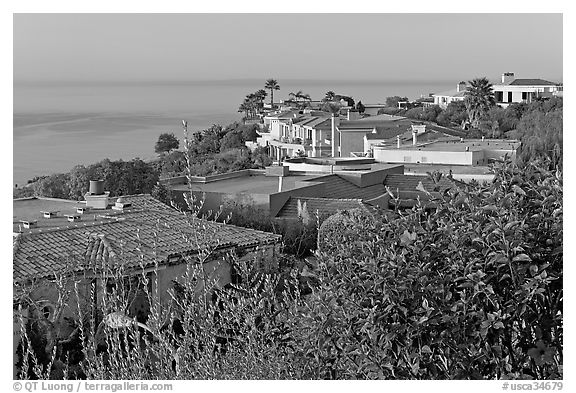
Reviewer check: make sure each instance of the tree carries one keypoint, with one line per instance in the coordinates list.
(329, 96)
(232, 140)
(166, 142)
(393, 101)
(160, 192)
(360, 107)
(454, 114)
(541, 133)
(173, 163)
(478, 98)
(272, 84)
(331, 107)
(53, 186)
(244, 108)
(349, 100)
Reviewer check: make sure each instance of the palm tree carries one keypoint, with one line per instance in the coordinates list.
(244, 108)
(478, 98)
(272, 84)
(296, 96)
(329, 96)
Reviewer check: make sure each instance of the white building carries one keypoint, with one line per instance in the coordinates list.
(512, 90)
(446, 97)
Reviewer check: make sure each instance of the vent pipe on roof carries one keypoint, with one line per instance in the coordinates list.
(96, 187)
(280, 181)
(96, 197)
(398, 141)
(414, 137)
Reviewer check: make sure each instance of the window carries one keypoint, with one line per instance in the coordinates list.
(524, 95)
(509, 96)
(499, 96)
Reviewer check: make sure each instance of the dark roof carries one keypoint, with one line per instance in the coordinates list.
(133, 236)
(388, 132)
(372, 122)
(339, 188)
(531, 82)
(324, 206)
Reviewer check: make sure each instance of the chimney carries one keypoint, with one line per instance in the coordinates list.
(461, 86)
(96, 197)
(352, 115)
(96, 187)
(398, 141)
(507, 77)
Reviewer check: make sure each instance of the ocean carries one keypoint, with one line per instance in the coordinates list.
(60, 125)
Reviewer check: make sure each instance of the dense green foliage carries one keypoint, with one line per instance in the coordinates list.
(120, 178)
(471, 290)
(298, 235)
(166, 143)
(540, 129)
(454, 114)
(221, 150)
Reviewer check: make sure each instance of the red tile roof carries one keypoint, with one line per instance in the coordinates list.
(147, 232)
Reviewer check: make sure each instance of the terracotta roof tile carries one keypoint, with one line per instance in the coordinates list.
(149, 227)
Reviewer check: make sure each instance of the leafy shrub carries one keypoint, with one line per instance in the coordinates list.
(471, 290)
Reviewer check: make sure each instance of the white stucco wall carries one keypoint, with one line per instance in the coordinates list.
(401, 156)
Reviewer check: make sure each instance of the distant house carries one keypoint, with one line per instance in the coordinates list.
(372, 109)
(451, 151)
(513, 90)
(350, 137)
(443, 99)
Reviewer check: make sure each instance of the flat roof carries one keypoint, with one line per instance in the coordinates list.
(30, 209)
(456, 145)
(253, 184)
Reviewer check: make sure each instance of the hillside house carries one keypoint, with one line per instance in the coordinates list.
(134, 236)
(514, 90)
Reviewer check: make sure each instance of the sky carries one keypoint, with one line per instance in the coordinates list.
(172, 47)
